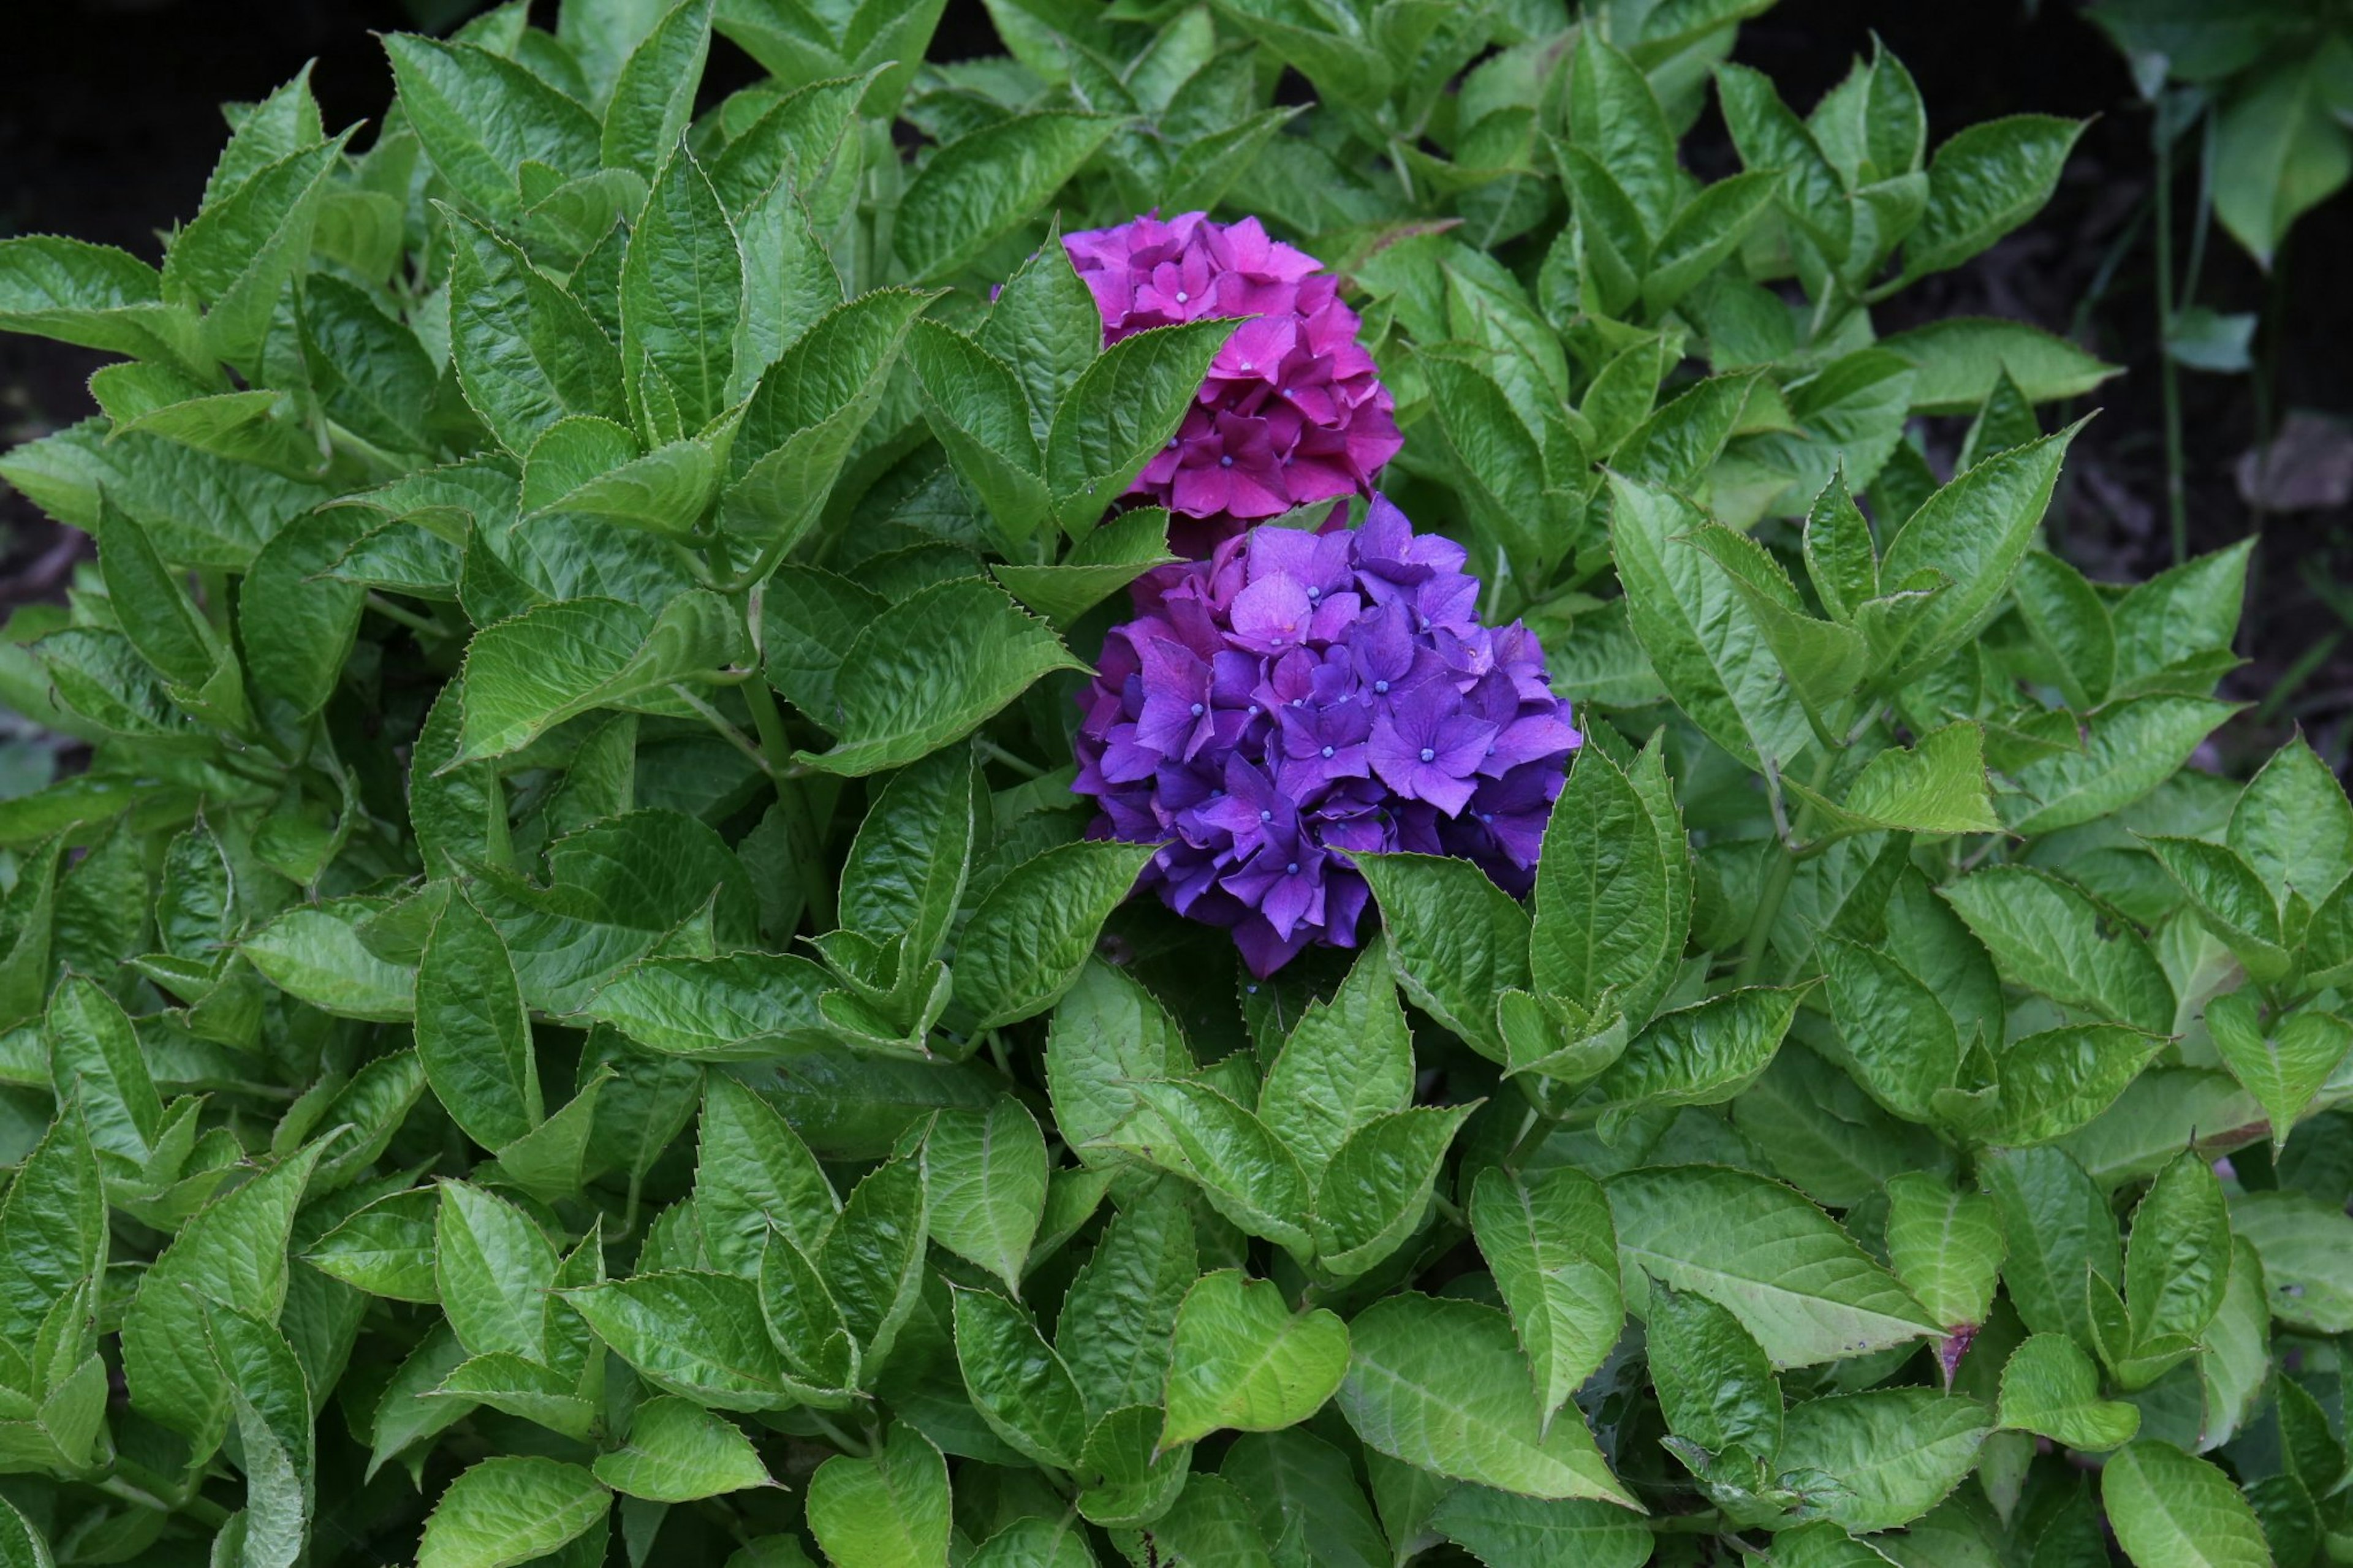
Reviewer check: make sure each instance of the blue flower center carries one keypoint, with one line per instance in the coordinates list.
(1292, 869)
(1265, 816)
(1327, 751)
(1226, 461)
(1428, 755)
(1382, 687)
(1197, 710)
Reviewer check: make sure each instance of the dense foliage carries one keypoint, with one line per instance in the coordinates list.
(586, 1005)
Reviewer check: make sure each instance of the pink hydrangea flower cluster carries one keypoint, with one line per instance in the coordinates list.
(1298, 698)
(1292, 411)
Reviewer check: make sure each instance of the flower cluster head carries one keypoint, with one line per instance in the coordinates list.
(1292, 411)
(1298, 698)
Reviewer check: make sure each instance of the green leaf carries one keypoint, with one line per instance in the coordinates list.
(1704, 1053)
(233, 1252)
(1897, 1451)
(1716, 1387)
(1018, 1384)
(1247, 1174)
(472, 1034)
(804, 1319)
(1709, 228)
(1376, 1191)
(1046, 326)
(1439, 1384)
(555, 661)
(1605, 925)
(653, 94)
(893, 704)
(2306, 1247)
(682, 295)
(1108, 1036)
(1615, 117)
(1098, 566)
(1900, 1044)
(1704, 645)
(1959, 358)
(1243, 1359)
(1550, 1244)
(1120, 413)
(238, 255)
(298, 623)
(313, 953)
(740, 1006)
(1118, 1320)
(1297, 1483)
(96, 1065)
(2071, 622)
(481, 117)
(907, 866)
(2060, 1231)
(1984, 182)
(493, 1270)
(2230, 900)
(1499, 1527)
(2294, 824)
(2048, 937)
(1973, 532)
(526, 354)
(510, 1509)
(385, 1250)
(1770, 138)
(2280, 147)
(986, 1172)
(2169, 1510)
(1457, 940)
(1796, 1281)
(887, 1511)
(2283, 1066)
(975, 408)
(2057, 1080)
(873, 1258)
(94, 297)
(1936, 786)
(2131, 747)
(1946, 1245)
(1348, 1061)
(154, 609)
(21, 1545)
(981, 186)
(2182, 620)
(1025, 945)
(753, 1171)
(807, 411)
(698, 1335)
(53, 1229)
(2050, 1387)
(678, 1452)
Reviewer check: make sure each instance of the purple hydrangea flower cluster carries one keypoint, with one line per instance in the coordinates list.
(1301, 697)
(1292, 411)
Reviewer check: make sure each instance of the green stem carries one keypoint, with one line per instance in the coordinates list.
(726, 731)
(1777, 876)
(770, 725)
(202, 1509)
(2177, 504)
(840, 1438)
(423, 625)
(997, 753)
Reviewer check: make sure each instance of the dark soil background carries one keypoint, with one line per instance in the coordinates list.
(109, 124)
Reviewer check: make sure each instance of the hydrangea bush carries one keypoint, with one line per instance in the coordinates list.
(772, 848)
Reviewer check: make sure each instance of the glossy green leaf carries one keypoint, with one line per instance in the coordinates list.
(1242, 1358)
